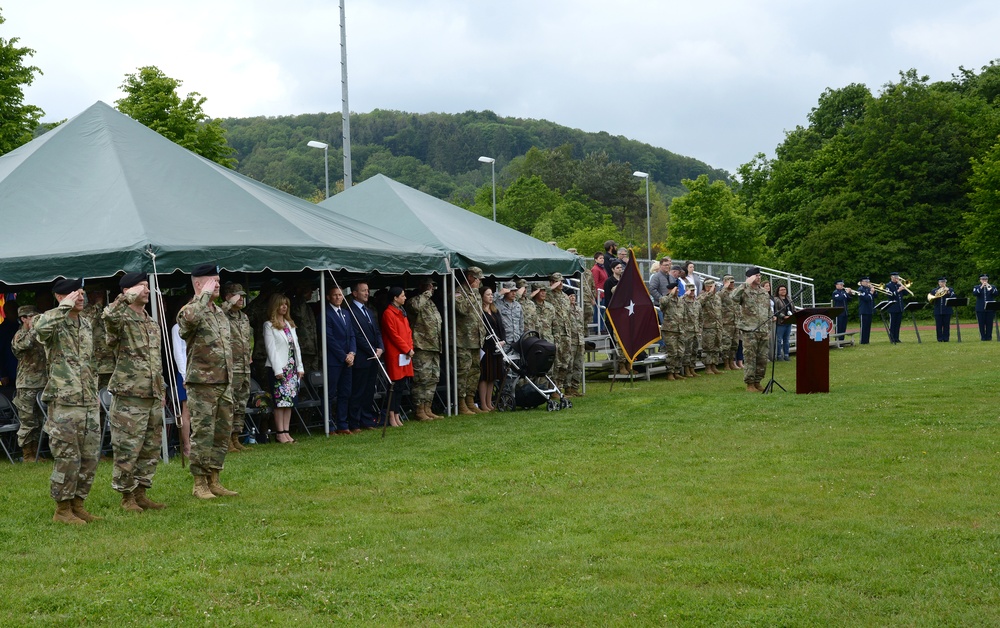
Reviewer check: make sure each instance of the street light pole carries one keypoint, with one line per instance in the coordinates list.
(326, 161)
(649, 232)
(493, 170)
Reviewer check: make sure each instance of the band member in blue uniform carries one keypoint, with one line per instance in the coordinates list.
(942, 311)
(840, 298)
(866, 308)
(896, 291)
(984, 293)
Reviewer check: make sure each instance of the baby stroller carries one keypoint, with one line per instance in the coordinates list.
(530, 359)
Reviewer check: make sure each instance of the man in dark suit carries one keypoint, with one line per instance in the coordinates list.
(942, 311)
(361, 413)
(984, 293)
(866, 308)
(341, 347)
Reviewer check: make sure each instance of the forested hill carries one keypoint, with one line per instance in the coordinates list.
(434, 152)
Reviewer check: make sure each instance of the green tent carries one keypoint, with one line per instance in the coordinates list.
(103, 193)
(467, 238)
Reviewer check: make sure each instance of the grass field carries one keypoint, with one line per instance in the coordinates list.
(661, 503)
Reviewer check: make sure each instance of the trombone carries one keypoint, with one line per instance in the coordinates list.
(879, 288)
(905, 285)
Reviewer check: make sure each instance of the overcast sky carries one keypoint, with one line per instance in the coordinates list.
(716, 80)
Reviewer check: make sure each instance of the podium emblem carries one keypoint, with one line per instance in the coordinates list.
(818, 327)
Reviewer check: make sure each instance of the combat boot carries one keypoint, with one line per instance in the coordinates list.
(758, 387)
(144, 502)
(28, 452)
(64, 514)
(218, 489)
(462, 408)
(81, 512)
(420, 413)
(752, 388)
(671, 378)
(691, 373)
(428, 410)
(470, 403)
(128, 502)
(201, 490)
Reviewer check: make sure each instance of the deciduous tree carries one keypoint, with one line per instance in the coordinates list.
(17, 119)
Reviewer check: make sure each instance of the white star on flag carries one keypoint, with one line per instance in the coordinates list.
(631, 308)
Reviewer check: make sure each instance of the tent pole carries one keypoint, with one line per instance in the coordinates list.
(156, 302)
(322, 326)
(453, 323)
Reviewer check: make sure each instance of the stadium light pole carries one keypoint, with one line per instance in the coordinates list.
(493, 170)
(326, 161)
(649, 233)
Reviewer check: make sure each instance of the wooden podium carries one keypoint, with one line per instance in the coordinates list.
(813, 327)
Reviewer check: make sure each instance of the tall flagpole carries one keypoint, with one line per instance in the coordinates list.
(346, 113)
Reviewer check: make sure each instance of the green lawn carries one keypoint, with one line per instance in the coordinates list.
(661, 503)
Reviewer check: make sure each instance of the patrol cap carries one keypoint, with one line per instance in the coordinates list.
(984, 276)
(132, 279)
(65, 286)
(728, 278)
(205, 270)
(753, 270)
(709, 283)
(26, 310)
(232, 287)
(521, 283)
(509, 285)
(554, 277)
(688, 288)
(474, 271)
(538, 285)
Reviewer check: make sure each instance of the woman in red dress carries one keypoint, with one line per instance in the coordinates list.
(398, 340)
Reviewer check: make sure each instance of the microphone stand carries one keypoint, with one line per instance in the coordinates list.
(769, 388)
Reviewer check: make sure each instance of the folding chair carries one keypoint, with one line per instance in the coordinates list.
(9, 424)
(310, 397)
(106, 398)
(43, 436)
(256, 410)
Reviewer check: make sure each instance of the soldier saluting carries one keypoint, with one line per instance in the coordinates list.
(208, 380)
(71, 394)
(137, 385)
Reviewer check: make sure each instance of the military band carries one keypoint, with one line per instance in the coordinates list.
(985, 293)
(866, 308)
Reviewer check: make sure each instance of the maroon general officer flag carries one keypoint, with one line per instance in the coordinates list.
(631, 313)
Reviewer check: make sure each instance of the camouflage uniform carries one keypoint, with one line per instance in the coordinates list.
(32, 374)
(308, 334)
(73, 425)
(711, 327)
(425, 322)
(690, 328)
(241, 336)
(208, 382)
(753, 314)
(470, 333)
(104, 356)
(136, 413)
(544, 313)
(528, 310)
(730, 335)
(579, 332)
(670, 332)
(562, 331)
